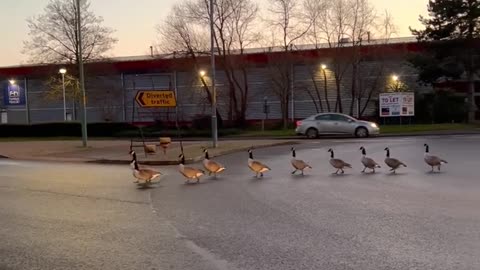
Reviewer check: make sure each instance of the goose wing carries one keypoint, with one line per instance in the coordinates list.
(338, 163)
(258, 166)
(369, 162)
(213, 166)
(394, 163)
(191, 172)
(434, 160)
(300, 164)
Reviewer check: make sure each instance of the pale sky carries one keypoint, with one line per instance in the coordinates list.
(135, 20)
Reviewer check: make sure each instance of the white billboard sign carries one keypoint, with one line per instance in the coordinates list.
(397, 104)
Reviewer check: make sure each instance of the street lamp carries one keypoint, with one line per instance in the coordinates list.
(202, 73)
(324, 68)
(63, 71)
(395, 80)
(12, 82)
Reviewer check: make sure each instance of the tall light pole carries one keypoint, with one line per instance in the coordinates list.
(80, 71)
(214, 90)
(63, 71)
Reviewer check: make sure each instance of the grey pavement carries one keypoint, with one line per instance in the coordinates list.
(65, 216)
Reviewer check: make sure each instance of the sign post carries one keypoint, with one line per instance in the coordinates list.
(397, 104)
(156, 98)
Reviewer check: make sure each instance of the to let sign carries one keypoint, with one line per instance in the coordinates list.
(397, 104)
(156, 98)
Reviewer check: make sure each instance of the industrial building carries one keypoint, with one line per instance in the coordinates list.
(111, 84)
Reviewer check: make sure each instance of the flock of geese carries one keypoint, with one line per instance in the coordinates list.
(259, 168)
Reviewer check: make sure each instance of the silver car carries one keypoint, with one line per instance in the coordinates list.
(335, 123)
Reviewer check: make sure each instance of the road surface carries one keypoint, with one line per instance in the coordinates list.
(71, 216)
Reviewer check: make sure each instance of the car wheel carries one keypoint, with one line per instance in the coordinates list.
(312, 133)
(361, 132)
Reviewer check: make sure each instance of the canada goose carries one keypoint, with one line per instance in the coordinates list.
(337, 163)
(393, 163)
(368, 162)
(298, 164)
(431, 160)
(189, 172)
(146, 175)
(212, 166)
(256, 166)
(150, 148)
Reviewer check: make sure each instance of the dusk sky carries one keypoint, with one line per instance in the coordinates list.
(135, 20)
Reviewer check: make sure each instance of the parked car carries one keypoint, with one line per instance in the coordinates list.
(335, 123)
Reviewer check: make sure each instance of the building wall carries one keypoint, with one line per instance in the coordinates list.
(111, 97)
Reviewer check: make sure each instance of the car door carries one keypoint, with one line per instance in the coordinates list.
(323, 122)
(342, 124)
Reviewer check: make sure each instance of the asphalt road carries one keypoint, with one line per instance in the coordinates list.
(69, 216)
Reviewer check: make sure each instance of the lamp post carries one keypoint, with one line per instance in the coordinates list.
(80, 70)
(63, 71)
(324, 67)
(214, 91)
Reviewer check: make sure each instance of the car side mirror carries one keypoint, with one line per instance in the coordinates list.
(350, 120)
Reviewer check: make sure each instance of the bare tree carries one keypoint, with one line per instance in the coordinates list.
(53, 37)
(54, 93)
(373, 77)
(344, 26)
(233, 21)
(285, 17)
(180, 34)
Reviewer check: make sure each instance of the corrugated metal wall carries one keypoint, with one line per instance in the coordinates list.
(110, 98)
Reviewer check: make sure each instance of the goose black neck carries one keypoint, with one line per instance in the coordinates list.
(426, 148)
(135, 163)
(388, 153)
(206, 154)
(182, 160)
(293, 153)
(250, 154)
(364, 152)
(331, 154)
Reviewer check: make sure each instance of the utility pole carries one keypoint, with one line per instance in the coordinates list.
(80, 71)
(214, 90)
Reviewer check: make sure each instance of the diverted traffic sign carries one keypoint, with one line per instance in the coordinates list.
(156, 98)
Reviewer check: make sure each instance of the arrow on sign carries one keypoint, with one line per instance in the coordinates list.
(156, 98)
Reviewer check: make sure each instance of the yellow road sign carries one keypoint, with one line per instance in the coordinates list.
(156, 98)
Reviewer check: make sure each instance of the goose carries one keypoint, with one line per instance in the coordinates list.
(368, 162)
(212, 166)
(431, 160)
(146, 175)
(393, 163)
(298, 164)
(337, 163)
(256, 166)
(189, 172)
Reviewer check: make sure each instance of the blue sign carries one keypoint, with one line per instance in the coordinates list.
(13, 95)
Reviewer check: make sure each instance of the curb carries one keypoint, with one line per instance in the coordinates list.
(153, 162)
(187, 161)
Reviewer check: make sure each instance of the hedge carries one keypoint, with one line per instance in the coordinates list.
(124, 130)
